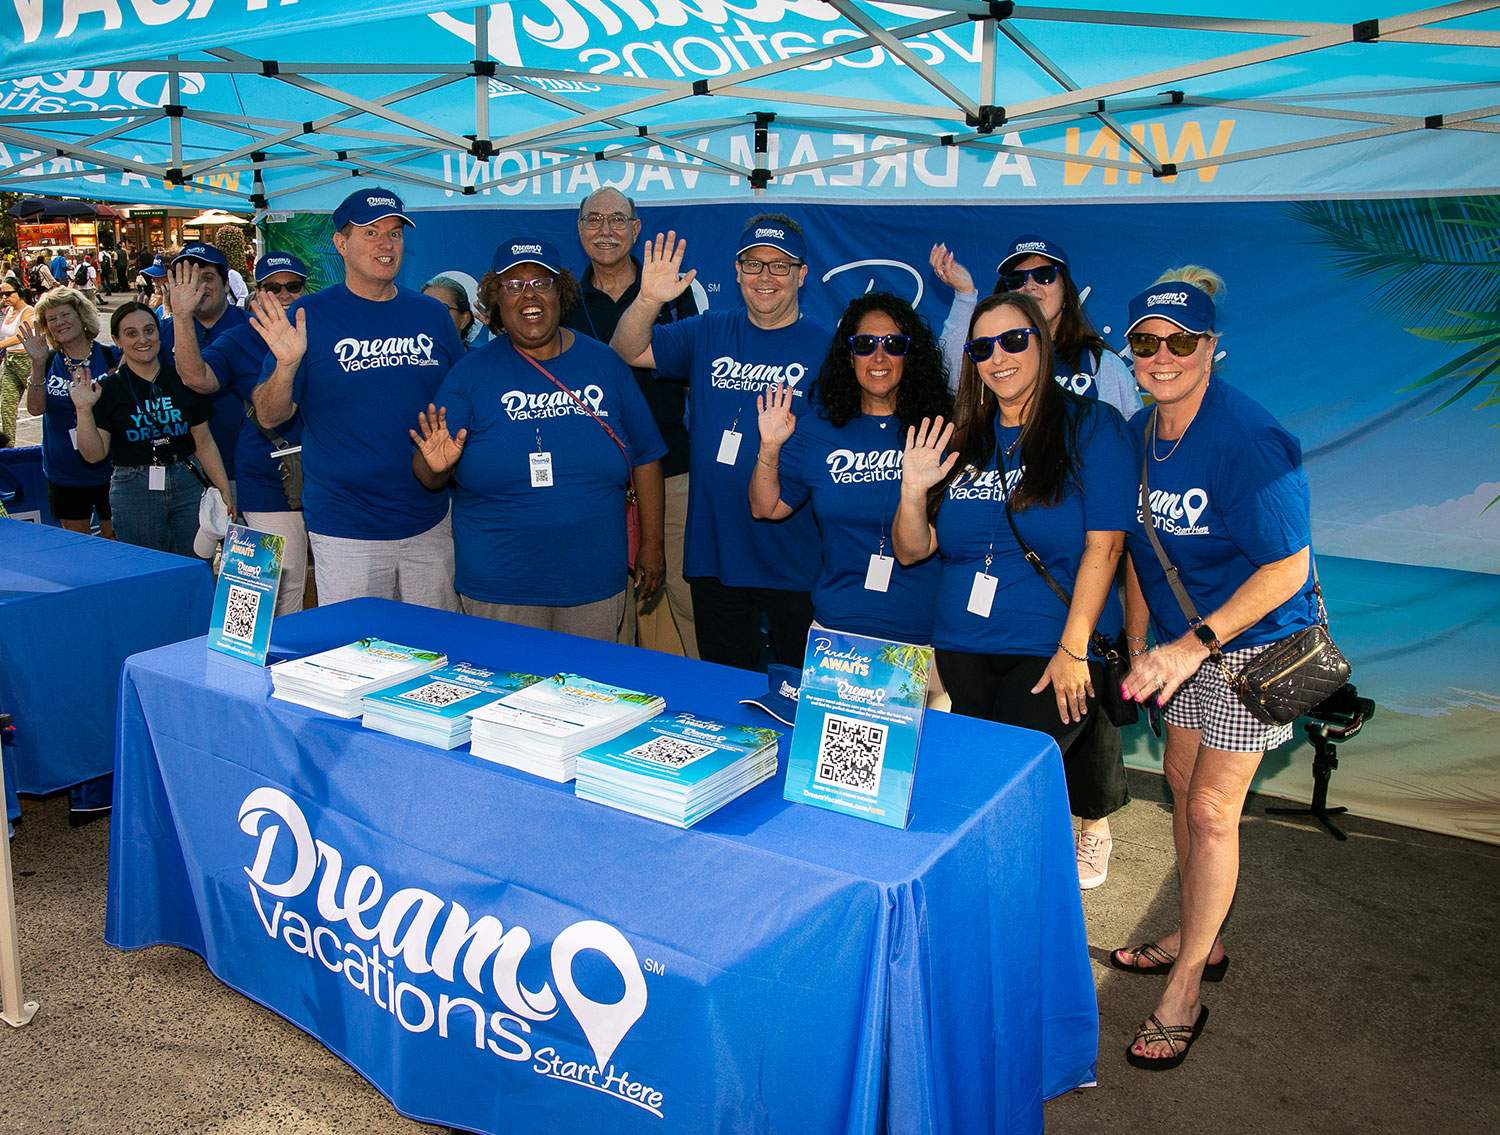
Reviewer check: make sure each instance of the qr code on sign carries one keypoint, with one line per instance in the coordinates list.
(670, 751)
(439, 695)
(851, 754)
(240, 613)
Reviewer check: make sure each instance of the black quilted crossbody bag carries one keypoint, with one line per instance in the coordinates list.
(1288, 678)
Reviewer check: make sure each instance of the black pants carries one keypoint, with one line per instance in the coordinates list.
(997, 687)
(728, 622)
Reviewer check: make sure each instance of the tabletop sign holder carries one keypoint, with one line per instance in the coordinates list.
(859, 720)
(245, 602)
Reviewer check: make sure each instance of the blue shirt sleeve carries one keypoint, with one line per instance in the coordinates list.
(1265, 499)
(1107, 471)
(642, 437)
(672, 346)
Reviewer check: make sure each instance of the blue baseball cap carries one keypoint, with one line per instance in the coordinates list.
(204, 254)
(1024, 246)
(1176, 301)
(273, 262)
(155, 270)
(366, 206)
(783, 683)
(773, 235)
(526, 251)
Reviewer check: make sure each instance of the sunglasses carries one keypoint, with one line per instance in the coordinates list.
(895, 344)
(1144, 345)
(540, 284)
(1015, 278)
(1012, 342)
(292, 289)
(8, 292)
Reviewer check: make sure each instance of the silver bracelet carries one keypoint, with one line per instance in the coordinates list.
(1070, 654)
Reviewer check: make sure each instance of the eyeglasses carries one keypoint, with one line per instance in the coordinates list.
(8, 292)
(292, 289)
(606, 220)
(777, 267)
(540, 284)
(1015, 279)
(1144, 345)
(895, 345)
(1012, 342)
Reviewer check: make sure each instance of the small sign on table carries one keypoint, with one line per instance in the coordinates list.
(245, 602)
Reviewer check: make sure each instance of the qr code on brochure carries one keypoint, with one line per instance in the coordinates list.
(240, 613)
(851, 754)
(439, 695)
(670, 751)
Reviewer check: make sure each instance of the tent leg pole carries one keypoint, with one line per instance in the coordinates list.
(15, 1010)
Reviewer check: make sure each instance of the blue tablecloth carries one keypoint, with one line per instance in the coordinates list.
(72, 609)
(777, 968)
(21, 474)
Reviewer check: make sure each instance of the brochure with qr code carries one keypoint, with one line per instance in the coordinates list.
(335, 680)
(677, 768)
(859, 721)
(245, 602)
(434, 708)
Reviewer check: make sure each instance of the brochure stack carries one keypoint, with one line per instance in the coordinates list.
(336, 680)
(435, 707)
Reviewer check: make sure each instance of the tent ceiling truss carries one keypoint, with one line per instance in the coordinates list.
(581, 134)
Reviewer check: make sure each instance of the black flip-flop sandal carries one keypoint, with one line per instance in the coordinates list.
(1174, 1035)
(1161, 962)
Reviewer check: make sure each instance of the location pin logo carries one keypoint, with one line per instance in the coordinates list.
(1194, 501)
(604, 1025)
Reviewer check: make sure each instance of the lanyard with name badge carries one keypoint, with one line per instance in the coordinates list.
(541, 465)
(878, 574)
(982, 591)
(729, 443)
(156, 472)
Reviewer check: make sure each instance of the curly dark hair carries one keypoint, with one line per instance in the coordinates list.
(923, 392)
(568, 294)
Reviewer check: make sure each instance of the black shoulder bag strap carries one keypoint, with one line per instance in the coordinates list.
(1102, 645)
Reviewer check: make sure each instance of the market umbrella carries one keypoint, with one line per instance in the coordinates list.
(57, 207)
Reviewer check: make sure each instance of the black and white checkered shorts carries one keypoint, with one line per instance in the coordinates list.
(1205, 702)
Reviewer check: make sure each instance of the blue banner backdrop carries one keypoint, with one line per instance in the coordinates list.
(1370, 328)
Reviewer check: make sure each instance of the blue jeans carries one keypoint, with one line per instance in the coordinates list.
(164, 520)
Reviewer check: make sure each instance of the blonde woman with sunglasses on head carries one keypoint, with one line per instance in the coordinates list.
(1229, 507)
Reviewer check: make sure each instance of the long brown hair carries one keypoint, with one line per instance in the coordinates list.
(1049, 433)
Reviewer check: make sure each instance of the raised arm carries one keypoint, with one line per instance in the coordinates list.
(923, 468)
(662, 281)
(185, 287)
(288, 343)
(37, 352)
(437, 451)
(777, 424)
(93, 443)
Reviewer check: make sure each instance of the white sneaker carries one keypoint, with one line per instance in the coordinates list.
(1093, 859)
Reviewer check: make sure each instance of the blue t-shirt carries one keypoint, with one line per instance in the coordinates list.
(62, 464)
(228, 405)
(237, 359)
(1026, 617)
(727, 361)
(371, 366)
(555, 546)
(852, 475)
(1231, 497)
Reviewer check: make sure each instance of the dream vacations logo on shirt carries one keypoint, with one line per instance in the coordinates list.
(397, 351)
(728, 373)
(415, 955)
(523, 406)
(1169, 510)
(991, 485)
(846, 467)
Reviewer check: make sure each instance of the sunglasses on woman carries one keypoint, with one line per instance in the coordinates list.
(1015, 279)
(1012, 342)
(7, 292)
(294, 288)
(1143, 345)
(895, 344)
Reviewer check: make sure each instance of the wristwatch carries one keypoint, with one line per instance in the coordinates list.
(1207, 637)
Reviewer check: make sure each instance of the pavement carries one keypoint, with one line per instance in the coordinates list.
(1358, 999)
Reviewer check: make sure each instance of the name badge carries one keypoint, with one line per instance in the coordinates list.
(541, 470)
(73, 436)
(729, 447)
(982, 594)
(878, 574)
(156, 478)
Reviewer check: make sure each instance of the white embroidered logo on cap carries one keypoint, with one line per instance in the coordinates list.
(776, 234)
(391, 201)
(1161, 299)
(518, 249)
(1032, 246)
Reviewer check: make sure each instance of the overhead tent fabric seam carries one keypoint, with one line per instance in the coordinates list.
(988, 92)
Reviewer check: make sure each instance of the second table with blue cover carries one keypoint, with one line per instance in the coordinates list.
(72, 609)
(495, 954)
